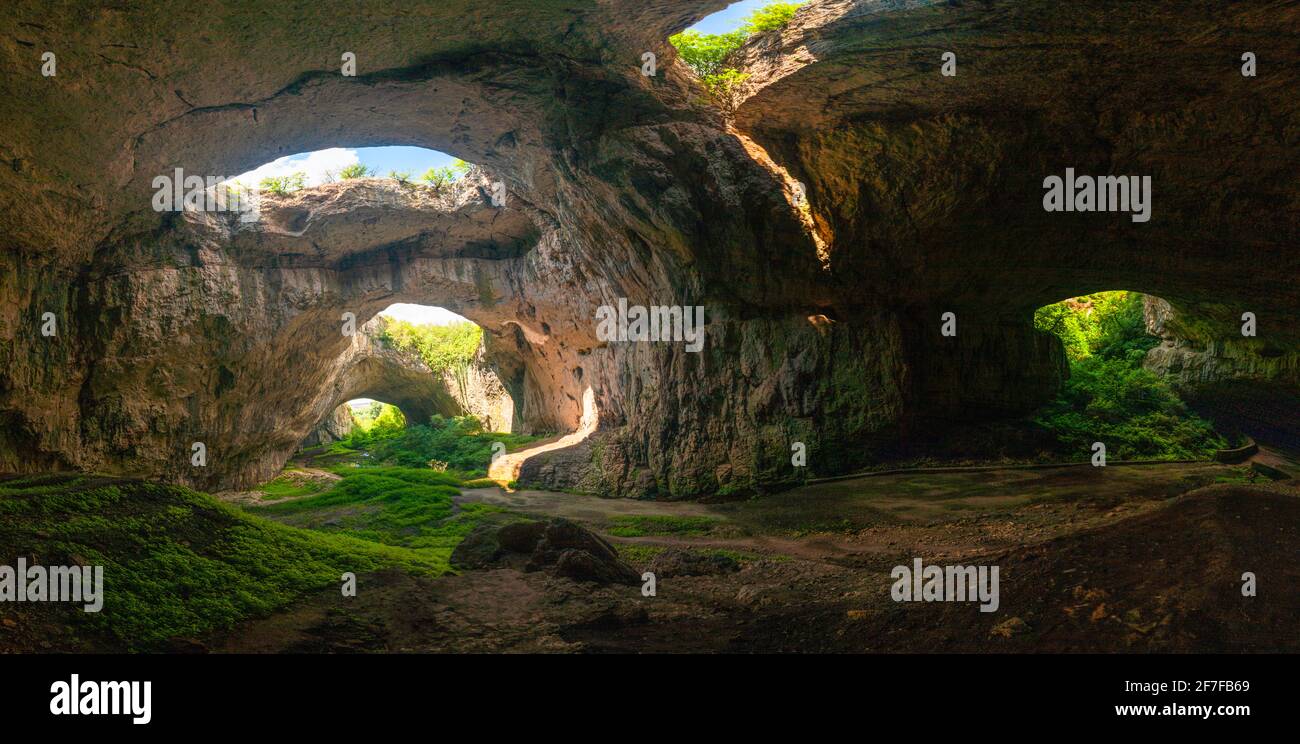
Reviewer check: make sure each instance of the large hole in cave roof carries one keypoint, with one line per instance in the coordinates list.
(729, 18)
(422, 314)
(331, 164)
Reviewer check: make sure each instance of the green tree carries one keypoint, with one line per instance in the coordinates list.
(441, 178)
(281, 185)
(769, 18)
(356, 170)
(706, 54)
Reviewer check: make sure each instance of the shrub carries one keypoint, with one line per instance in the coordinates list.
(281, 185)
(356, 170)
(441, 178)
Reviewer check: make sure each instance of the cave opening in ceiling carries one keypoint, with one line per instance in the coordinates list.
(711, 47)
(406, 165)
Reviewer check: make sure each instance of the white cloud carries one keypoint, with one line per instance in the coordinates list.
(421, 314)
(314, 164)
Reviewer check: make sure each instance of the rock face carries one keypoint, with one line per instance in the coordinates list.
(1190, 357)
(338, 425)
(823, 320)
(481, 393)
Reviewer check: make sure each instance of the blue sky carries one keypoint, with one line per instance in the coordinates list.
(729, 18)
(317, 164)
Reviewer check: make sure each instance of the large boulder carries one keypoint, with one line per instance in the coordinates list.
(560, 546)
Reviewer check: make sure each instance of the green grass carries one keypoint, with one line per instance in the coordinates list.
(286, 486)
(644, 525)
(637, 554)
(404, 507)
(479, 483)
(177, 563)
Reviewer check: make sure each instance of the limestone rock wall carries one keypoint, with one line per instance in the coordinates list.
(338, 425)
(1191, 358)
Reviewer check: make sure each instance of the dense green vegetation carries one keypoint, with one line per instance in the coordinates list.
(456, 444)
(706, 54)
(178, 564)
(375, 422)
(1109, 397)
(444, 348)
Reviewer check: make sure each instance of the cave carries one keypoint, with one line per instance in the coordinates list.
(866, 227)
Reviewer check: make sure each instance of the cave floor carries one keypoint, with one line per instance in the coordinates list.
(1143, 558)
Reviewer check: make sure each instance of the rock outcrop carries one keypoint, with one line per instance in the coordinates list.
(924, 197)
(1192, 354)
(560, 547)
(337, 425)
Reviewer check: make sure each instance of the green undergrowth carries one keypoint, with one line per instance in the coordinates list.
(457, 444)
(287, 485)
(177, 563)
(404, 507)
(1109, 397)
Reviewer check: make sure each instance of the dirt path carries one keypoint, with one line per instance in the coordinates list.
(505, 469)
